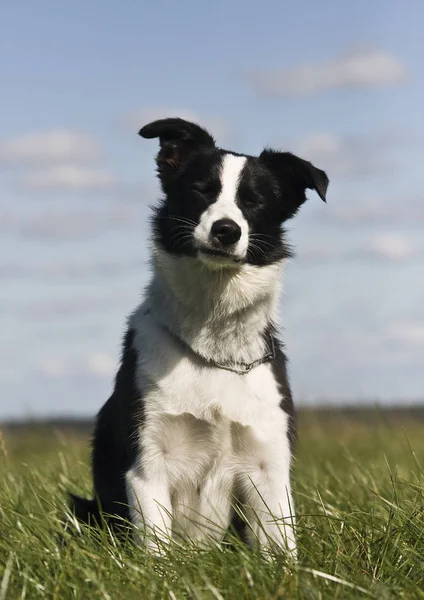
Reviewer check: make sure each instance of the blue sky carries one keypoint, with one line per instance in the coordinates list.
(339, 83)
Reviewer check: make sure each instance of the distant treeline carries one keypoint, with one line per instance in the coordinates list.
(324, 415)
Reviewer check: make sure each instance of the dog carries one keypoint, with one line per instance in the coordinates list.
(199, 431)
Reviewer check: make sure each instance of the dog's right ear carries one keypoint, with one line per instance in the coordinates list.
(178, 139)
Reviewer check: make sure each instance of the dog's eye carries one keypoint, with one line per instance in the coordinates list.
(250, 200)
(204, 189)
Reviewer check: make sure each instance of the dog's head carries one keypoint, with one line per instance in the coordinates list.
(221, 207)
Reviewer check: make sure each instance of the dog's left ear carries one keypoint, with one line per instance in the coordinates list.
(178, 139)
(296, 176)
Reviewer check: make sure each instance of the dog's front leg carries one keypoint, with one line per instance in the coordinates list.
(264, 488)
(150, 508)
(270, 512)
(215, 503)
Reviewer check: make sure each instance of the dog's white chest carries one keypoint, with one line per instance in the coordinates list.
(196, 415)
(177, 384)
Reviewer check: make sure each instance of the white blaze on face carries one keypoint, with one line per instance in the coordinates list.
(225, 207)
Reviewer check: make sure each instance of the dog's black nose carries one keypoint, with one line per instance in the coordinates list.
(226, 232)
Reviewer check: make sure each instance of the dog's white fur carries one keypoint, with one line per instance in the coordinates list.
(225, 207)
(207, 428)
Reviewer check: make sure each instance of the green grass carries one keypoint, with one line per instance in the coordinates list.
(359, 487)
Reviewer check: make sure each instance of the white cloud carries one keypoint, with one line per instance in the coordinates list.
(80, 224)
(101, 364)
(391, 209)
(58, 145)
(68, 176)
(56, 159)
(97, 363)
(374, 210)
(63, 270)
(390, 247)
(394, 247)
(346, 155)
(140, 117)
(410, 333)
(355, 68)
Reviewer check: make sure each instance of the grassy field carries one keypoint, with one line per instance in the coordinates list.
(359, 492)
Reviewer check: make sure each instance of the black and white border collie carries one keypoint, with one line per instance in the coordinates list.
(201, 416)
